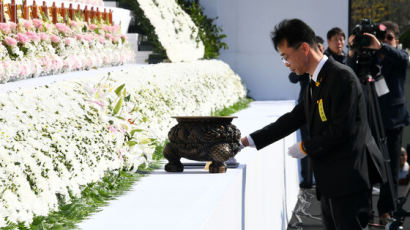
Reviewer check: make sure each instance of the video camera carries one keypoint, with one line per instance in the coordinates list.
(366, 26)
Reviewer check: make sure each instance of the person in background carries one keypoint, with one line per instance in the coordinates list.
(339, 140)
(320, 44)
(335, 44)
(305, 163)
(404, 174)
(394, 113)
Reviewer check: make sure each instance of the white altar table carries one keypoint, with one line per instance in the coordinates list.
(260, 194)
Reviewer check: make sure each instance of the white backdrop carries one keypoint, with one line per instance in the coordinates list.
(248, 24)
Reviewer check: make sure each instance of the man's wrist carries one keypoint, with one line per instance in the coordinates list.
(302, 147)
(381, 45)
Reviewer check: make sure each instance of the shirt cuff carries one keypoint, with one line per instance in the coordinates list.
(250, 141)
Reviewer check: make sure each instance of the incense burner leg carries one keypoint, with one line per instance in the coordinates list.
(217, 167)
(174, 160)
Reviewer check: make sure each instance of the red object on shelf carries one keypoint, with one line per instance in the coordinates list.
(63, 12)
(34, 13)
(85, 14)
(71, 12)
(44, 9)
(92, 13)
(105, 15)
(24, 12)
(13, 11)
(98, 14)
(54, 13)
(2, 19)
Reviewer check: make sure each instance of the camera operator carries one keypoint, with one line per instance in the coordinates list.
(393, 62)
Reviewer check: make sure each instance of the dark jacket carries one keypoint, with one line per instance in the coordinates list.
(339, 142)
(340, 58)
(393, 104)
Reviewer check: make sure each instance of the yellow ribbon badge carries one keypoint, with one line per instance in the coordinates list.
(321, 110)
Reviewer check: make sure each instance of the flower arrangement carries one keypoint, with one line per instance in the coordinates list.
(33, 48)
(175, 29)
(50, 149)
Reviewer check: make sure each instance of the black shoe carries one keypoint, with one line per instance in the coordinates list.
(305, 185)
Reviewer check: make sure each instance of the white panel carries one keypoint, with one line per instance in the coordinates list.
(251, 54)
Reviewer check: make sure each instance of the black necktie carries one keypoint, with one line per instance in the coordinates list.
(312, 84)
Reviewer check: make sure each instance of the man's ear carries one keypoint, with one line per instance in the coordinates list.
(306, 48)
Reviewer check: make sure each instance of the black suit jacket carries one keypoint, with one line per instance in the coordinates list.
(339, 141)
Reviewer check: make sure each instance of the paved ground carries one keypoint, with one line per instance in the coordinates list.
(313, 208)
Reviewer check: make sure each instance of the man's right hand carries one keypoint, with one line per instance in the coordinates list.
(245, 141)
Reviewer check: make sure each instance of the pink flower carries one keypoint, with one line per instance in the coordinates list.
(54, 38)
(49, 27)
(44, 37)
(108, 36)
(73, 24)
(46, 63)
(101, 39)
(88, 37)
(115, 39)
(27, 25)
(10, 41)
(5, 28)
(37, 23)
(67, 41)
(79, 37)
(92, 26)
(22, 38)
(13, 25)
(112, 129)
(115, 28)
(63, 28)
(24, 70)
(33, 36)
(107, 28)
(99, 103)
(124, 37)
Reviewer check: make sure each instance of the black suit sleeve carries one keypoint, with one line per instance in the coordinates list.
(285, 125)
(344, 118)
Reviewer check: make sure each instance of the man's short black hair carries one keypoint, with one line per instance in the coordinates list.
(320, 40)
(335, 31)
(392, 26)
(294, 31)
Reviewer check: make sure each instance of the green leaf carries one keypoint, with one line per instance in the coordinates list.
(127, 98)
(145, 141)
(119, 89)
(131, 143)
(118, 106)
(134, 131)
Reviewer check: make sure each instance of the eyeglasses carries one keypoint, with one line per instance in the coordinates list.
(284, 59)
(389, 37)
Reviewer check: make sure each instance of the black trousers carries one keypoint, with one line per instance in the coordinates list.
(394, 139)
(351, 212)
(305, 163)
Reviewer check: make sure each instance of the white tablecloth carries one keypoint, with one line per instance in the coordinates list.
(260, 194)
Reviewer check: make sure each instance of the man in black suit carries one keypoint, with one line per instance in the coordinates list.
(339, 141)
(305, 164)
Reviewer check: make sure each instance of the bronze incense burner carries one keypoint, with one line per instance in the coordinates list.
(202, 138)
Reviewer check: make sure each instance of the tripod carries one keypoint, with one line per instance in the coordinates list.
(377, 129)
